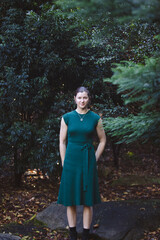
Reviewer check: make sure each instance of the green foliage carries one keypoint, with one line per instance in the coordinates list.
(45, 150)
(50, 48)
(38, 56)
(148, 10)
(129, 129)
(139, 84)
(123, 10)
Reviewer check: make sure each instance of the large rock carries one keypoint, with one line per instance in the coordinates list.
(5, 236)
(114, 220)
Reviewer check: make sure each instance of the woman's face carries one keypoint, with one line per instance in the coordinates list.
(82, 100)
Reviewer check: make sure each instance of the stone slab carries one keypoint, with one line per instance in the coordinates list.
(116, 220)
(5, 236)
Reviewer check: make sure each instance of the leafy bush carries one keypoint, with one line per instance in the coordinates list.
(49, 48)
(139, 84)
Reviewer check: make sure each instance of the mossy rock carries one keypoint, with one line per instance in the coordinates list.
(104, 172)
(132, 180)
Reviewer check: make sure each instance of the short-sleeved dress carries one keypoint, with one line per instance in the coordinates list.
(79, 180)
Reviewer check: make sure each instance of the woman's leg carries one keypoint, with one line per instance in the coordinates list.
(87, 216)
(87, 219)
(71, 216)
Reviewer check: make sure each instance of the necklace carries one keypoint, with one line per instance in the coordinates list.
(82, 117)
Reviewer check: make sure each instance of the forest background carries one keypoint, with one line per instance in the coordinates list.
(49, 48)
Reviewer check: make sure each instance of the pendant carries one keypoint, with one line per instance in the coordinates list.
(81, 119)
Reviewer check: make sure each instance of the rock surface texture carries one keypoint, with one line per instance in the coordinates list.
(111, 221)
(4, 236)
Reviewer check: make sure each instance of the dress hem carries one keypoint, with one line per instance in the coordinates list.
(79, 204)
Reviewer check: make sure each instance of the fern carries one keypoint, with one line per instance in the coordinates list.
(137, 83)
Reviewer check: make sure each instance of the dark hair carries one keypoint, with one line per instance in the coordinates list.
(82, 89)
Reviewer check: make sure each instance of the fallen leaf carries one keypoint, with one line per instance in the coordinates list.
(96, 225)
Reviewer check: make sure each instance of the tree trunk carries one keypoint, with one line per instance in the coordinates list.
(116, 152)
(17, 171)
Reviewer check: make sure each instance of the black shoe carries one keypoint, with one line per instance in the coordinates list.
(73, 235)
(85, 235)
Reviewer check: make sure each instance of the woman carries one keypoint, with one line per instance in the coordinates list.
(79, 181)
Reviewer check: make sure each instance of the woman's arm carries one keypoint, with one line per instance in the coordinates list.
(102, 139)
(62, 140)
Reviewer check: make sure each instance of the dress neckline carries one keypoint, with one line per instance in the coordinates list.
(82, 113)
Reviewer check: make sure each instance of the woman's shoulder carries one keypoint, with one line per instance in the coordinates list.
(95, 115)
(68, 114)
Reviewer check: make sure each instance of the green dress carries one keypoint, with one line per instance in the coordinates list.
(79, 181)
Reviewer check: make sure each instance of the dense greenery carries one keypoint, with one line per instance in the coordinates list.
(138, 84)
(47, 49)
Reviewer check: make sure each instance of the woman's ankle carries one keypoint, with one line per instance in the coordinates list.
(72, 229)
(73, 233)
